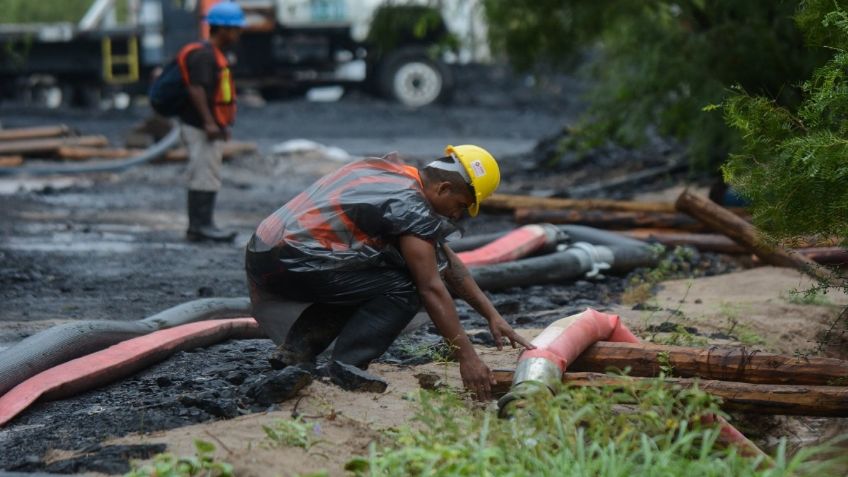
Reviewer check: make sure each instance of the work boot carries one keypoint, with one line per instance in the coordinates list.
(351, 378)
(201, 227)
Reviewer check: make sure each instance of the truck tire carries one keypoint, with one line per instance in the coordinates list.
(410, 76)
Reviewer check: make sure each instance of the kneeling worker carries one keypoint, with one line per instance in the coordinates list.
(365, 245)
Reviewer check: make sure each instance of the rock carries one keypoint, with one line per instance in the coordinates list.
(429, 381)
(278, 386)
(482, 338)
(351, 378)
(211, 403)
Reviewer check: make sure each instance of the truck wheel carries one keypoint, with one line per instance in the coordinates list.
(411, 77)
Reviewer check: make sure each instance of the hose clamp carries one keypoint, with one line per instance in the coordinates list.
(597, 257)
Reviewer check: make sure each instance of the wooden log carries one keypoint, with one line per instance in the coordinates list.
(11, 161)
(723, 244)
(703, 242)
(512, 202)
(722, 220)
(230, 149)
(606, 219)
(49, 146)
(79, 153)
(40, 132)
(724, 364)
(829, 401)
(825, 255)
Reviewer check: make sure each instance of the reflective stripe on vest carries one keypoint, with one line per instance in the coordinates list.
(337, 231)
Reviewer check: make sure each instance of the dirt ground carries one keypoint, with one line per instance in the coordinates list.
(110, 246)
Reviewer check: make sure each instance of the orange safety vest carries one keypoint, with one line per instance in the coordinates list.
(316, 217)
(224, 104)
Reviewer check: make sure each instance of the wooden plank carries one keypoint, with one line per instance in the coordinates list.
(49, 146)
(512, 202)
(830, 401)
(11, 161)
(79, 153)
(723, 364)
(39, 132)
(609, 219)
(231, 149)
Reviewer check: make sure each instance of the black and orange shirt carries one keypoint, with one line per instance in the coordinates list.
(352, 218)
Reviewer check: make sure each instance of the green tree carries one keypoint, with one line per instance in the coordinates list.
(657, 63)
(793, 160)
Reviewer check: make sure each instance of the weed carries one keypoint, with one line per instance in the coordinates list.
(812, 296)
(438, 352)
(167, 465)
(742, 332)
(664, 360)
(292, 433)
(626, 430)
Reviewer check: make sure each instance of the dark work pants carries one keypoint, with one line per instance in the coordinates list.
(364, 310)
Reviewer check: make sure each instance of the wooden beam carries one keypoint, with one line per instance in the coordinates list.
(79, 153)
(11, 161)
(49, 146)
(40, 132)
(512, 202)
(230, 149)
(722, 220)
(724, 364)
(608, 219)
(830, 401)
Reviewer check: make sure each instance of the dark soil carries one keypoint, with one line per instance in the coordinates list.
(111, 246)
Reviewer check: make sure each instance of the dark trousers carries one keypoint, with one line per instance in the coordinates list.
(363, 310)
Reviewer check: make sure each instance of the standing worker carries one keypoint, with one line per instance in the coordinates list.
(207, 116)
(366, 246)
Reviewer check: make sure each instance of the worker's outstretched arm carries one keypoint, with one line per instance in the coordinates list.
(420, 257)
(462, 284)
(199, 100)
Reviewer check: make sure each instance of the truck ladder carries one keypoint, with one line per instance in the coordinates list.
(128, 62)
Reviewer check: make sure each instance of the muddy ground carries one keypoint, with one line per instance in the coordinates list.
(110, 246)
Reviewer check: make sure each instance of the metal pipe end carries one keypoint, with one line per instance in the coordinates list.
(532, 375)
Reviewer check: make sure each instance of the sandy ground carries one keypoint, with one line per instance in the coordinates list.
(346, 423)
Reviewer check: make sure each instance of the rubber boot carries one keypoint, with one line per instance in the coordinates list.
(201, 205)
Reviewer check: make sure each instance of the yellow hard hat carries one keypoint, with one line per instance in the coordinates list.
(483, 171)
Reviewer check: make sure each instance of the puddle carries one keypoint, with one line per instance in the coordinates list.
(28, 184)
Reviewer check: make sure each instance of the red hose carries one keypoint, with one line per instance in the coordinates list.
(120, 360)
(518, 243)
(564, 340)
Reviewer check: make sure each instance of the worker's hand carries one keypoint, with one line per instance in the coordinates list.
(213, 132)
(476, 377)
(500, 329)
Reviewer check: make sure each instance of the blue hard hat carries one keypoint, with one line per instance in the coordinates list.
(227, 14)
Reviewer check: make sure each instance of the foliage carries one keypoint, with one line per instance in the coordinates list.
(581, 431)
(202, 463)
(292, 433)
(792, 160)
(28, 11)
(657, 63)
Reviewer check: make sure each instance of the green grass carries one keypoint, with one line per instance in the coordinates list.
(203, 463)
(580, 432)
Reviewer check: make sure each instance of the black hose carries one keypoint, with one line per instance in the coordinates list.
(67, 341)
(154, 151)
(582, 233)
